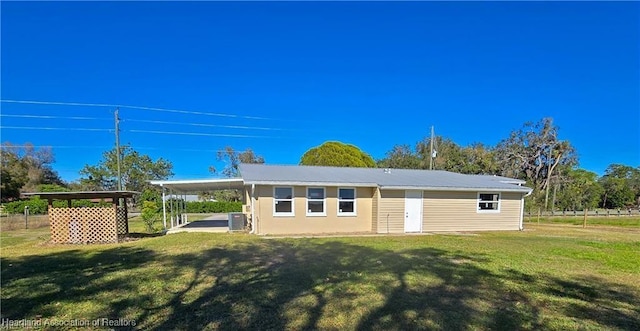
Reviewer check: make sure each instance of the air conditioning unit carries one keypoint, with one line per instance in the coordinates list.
(237, 221)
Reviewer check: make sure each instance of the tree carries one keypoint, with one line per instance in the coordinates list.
(580, 190)
(24, 167)
(621, 185)
(233, 159)
(136, 171)
(448, 154)
(474, 159)
(478, 159)
(337, 154)
(534, 153)
(400, 157)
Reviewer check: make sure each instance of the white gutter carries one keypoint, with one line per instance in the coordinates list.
(310, 183)
(254, 222)
(522, 209)
(462, 189)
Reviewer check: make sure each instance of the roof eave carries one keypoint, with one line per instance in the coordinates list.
(520, 189)
(309, 183)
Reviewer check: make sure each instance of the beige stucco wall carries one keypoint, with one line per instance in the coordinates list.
(267, 223)
(449, 211)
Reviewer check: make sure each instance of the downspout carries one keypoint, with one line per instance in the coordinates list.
(522, 209)
(164, 207)
(254, 222)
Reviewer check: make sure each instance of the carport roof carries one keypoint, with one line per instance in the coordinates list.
(200, 185)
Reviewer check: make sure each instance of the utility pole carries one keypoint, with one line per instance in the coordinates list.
(431, 156)
(118, 147)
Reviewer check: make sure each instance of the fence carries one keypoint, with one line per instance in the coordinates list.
(590, 213)
(16, 222)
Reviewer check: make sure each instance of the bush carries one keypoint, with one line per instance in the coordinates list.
(150, 215)
(38, 206)
(213, 207)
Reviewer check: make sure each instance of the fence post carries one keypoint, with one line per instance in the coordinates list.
(538, 215)
(26, 217)
(584, 222)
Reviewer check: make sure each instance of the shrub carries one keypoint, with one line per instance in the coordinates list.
(213, 207)
(149, 215)
(38, 206)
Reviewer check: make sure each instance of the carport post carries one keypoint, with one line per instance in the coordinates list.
(171, 206)
(164, 208)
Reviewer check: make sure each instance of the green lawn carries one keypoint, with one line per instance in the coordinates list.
(626, 221)
(547, 277)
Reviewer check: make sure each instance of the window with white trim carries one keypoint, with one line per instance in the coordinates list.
(283, 201)
(488, 202)
(316, 201)
(346, 201)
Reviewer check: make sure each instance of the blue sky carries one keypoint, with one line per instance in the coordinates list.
(373, 74)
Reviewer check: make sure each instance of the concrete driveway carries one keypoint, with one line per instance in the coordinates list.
(213, 223)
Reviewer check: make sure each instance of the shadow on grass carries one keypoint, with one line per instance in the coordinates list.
(303, 285)
(140, 235)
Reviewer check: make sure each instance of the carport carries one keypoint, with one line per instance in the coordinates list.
(175, 210)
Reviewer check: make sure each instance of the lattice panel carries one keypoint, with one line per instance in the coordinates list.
(83, 225)
(123, 227)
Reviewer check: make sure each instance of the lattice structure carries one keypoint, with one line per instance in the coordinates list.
(84, 225)
(123, 226)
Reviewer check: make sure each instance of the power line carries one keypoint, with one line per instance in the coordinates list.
(132, 107)
(54, 117)
(165, 148)
(54, 146)
(51, 128)
(198, 134)
(206, 125)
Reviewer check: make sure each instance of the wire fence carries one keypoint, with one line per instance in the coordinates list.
(589, 213)
(16, 222)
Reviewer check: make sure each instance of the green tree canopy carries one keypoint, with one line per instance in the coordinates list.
(136, 170)
(621, 185)
(337, 154)
(473, 159)
(534, 153)
(23, 168)
(233, 160)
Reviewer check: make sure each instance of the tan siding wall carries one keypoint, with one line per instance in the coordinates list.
(300, 223)
(391, 217)
(457, 211)
(375, 206)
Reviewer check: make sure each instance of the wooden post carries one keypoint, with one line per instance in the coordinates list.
(584, 221)
(538, 215)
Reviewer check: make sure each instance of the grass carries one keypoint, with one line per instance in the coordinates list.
(547, 277)
(625, 221)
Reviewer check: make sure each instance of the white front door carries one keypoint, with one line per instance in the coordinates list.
(413, 211)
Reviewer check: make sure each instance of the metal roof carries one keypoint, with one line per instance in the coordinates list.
(372, 177)
(84, 195)
(200, 185)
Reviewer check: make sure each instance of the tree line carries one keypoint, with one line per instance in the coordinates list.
(534, 153)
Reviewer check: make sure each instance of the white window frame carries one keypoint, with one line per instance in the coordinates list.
(478, 202)
(324, 202)
(355, 201)
(293, 200)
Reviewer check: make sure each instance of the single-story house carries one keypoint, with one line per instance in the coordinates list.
(280, 199)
